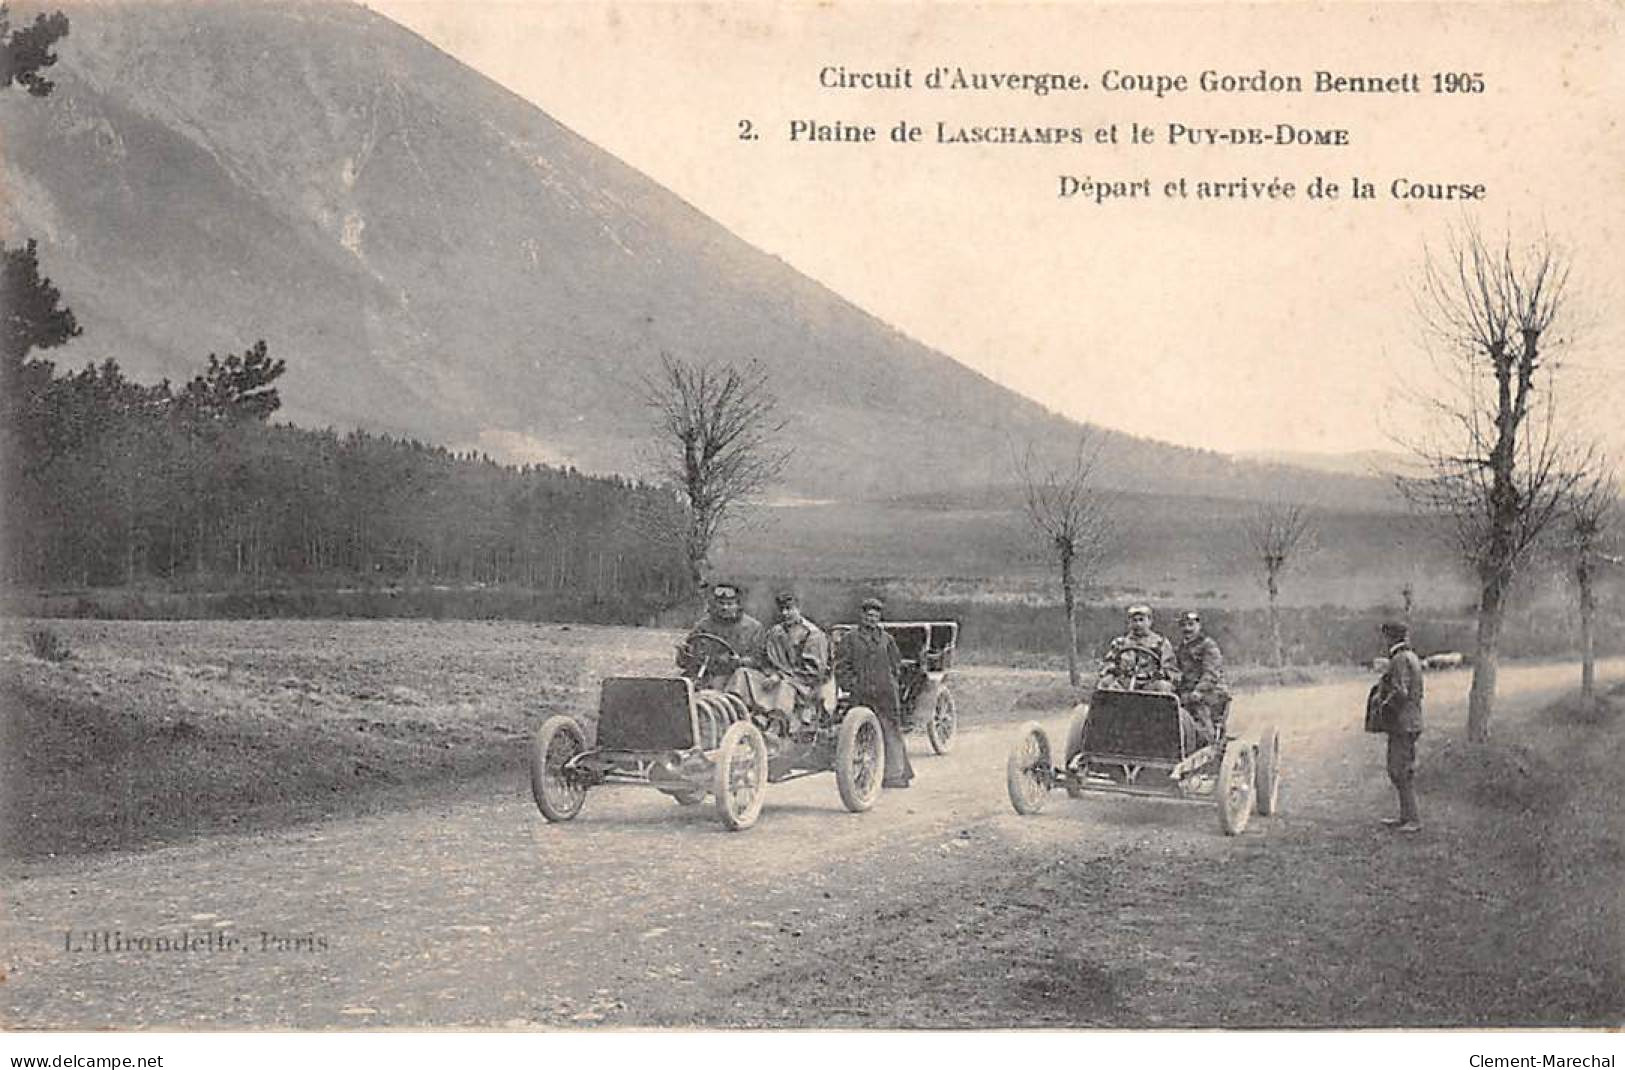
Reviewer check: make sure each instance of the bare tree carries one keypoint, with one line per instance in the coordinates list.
(716, 430)
(1277, 534)
(1498, 467)
(1592, 517)
(1073, 517)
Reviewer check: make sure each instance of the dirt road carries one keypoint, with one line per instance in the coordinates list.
(478, 913)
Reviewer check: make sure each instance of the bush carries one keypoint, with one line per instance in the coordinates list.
(46, 645)
(1574, 708)
(1499, 774)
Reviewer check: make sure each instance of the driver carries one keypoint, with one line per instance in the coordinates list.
(796, 662)
(706, 662)
(1140, 660)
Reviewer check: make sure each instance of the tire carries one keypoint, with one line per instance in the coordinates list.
(1268, 778)
(1236, 788)
(1029, 772)
(1074, 743)
(860, 759)
(943, 727)
(741, 775)
(557, 796)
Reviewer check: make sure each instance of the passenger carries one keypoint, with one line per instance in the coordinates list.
(867, 665)
(706, 663)
(795, 665)
(1201, 687)
(1140, 660)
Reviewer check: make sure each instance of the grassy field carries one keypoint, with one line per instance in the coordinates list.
(1185, 550)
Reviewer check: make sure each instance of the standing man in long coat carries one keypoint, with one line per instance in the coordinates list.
(1397, 702)
(867, 666)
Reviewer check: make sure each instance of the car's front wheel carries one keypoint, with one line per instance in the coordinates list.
(557, 791)
(1236, 787)
(741, 775)
(1029, 772)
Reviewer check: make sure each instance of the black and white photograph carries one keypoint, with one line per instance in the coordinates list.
(1067, 523)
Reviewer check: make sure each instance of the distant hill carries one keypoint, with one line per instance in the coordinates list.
(434, 256)
(1380, 464)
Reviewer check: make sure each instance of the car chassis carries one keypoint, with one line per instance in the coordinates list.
(689, 742)
(1133, 742)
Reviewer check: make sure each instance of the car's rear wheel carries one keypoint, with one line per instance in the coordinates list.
(741, 775)
(1029, 772)
(558, 793)
(944, 723)
(1269, 773)
(860, 759)
(1236, 787)
(1074, 743)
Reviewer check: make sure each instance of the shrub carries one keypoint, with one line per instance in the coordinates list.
(48, 646)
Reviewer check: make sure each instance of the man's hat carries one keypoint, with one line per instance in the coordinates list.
(1139, 607)
(1192, 616)
(784, 598)
(1396, 628)
(872, 603)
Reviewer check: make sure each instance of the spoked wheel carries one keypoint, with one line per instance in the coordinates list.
(1029, 772)
(1074, 743)
(860, 759)
(558, 794)
(741, 775)
(1269, 773)
(944, 723)
(1236, 787)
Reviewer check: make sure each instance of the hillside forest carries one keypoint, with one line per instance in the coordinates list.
(111, 482)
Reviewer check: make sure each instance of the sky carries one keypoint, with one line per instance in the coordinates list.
(1237, 325)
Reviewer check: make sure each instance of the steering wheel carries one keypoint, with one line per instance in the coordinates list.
(1132, 664)
(707, 649)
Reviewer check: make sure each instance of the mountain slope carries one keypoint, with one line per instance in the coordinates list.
(435, 256)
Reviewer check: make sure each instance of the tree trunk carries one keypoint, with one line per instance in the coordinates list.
(1275, 623)
(1070, 600)
(1588, 639)
(1481, 698)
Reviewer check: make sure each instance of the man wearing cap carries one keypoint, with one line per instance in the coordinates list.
(706, 663)
(1397, 701)
(795, 663)
(1201, 687)
(866, 665)
(1140, 660)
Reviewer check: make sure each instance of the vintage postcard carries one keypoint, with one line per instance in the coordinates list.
(555, 517)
